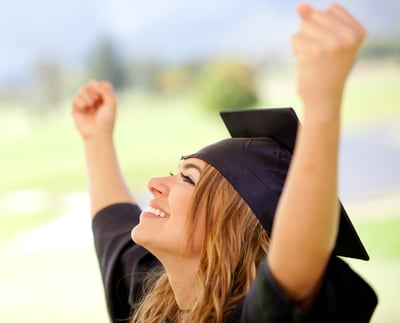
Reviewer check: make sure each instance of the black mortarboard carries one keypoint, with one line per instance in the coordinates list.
(256, 160)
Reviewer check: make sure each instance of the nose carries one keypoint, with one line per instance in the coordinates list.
(158, 186)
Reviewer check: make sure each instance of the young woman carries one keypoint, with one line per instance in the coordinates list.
(204, 250)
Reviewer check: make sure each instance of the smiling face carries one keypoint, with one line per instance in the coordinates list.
(163, 224)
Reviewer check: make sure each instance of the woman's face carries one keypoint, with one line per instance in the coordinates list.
(162, 225)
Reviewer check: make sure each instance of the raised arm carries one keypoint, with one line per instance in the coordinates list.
(307, 218)
(94, 112)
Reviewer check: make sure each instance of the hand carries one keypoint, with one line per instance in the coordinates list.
(325, 47)
(94, 109)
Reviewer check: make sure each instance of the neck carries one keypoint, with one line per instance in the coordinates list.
(181, 275)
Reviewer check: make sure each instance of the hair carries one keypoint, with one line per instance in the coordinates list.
(234, 244)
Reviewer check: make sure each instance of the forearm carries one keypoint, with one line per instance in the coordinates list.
(106, 183)
(310, 196)
(307, 217)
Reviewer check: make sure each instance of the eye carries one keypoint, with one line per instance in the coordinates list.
(187, 179)
(184, 178)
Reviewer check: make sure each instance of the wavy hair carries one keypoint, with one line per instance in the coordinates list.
(234, 244)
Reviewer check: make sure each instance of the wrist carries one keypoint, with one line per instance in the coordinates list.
(98, 143)
(98, 137)
(322, 108)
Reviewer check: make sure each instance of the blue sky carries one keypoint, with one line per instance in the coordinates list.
(65, 31)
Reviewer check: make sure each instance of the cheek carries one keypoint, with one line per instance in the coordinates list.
(179, 202)
(196, 240)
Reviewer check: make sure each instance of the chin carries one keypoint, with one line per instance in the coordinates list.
(136, 235)
(142, 237)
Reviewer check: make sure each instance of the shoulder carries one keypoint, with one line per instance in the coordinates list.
(344, 297)
(123, 264)
(115, 213)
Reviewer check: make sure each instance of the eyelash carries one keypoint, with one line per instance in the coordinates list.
(185, 178)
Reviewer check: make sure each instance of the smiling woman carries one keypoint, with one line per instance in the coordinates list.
(250, 228)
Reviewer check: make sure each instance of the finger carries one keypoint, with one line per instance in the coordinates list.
(324, 19)
(106, 87)
(313, 29)
(87, 98)
(329, 30)
(79, 104)
(348, 29)
(93, 93)
(302, 46)
(342, 14)
(336, 19)
(321, 30)
(107, 93)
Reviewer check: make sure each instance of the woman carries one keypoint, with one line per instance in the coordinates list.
(204, 250)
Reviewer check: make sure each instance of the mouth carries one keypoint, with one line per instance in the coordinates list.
(155, 212)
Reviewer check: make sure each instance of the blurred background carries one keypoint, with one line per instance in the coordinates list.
(174, 65)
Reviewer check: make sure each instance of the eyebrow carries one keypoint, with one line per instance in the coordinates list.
(190, 165)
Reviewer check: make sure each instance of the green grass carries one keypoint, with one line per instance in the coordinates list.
(372, 91)
(12, 224)
(54, 286)
(382, 239)
(47, 155)
(45, 151)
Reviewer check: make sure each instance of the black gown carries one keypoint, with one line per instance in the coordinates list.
(344, 296)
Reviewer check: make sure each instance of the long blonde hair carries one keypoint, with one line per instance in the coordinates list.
(234, 244)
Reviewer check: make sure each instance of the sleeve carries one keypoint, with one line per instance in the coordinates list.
(343, 297)
(123, 264)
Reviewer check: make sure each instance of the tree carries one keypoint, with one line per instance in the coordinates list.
(106, 63)
(381, 48)
(47, 84)
(227, 84)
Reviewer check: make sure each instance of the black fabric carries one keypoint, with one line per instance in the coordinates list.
(257, 163)
(280, 124)
(123, 264)
(344, 296)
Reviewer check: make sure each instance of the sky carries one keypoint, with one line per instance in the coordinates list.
(66, 31)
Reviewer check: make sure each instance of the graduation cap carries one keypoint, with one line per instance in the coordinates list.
(255, 162)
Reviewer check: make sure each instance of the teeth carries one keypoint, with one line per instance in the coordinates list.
(157, 212)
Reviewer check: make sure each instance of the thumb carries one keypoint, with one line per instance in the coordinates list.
(304, 10)
(108, 95)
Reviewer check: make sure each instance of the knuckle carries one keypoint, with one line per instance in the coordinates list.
(317, 50)
(78, 104)
(333, 45)
(350, 39)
